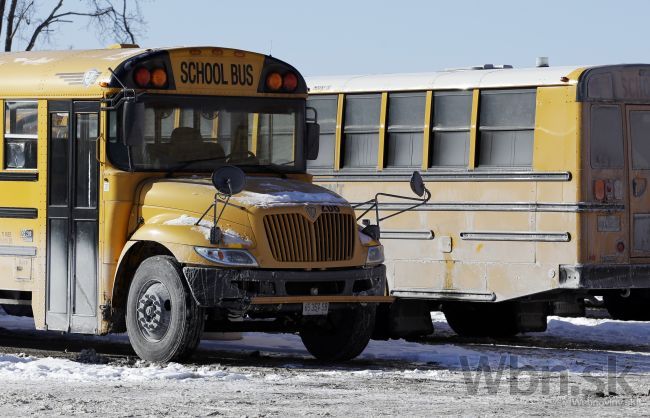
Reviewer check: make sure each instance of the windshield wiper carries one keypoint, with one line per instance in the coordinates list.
(269, 168)
(185, 163)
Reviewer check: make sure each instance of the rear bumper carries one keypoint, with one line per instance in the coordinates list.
(605, 276)
(215, 287)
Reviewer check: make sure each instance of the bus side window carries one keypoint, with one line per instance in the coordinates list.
(606, 136)
(506, 128)
(21, 134)
(405, 129)
(452, 115)
(361, 130)
(326, 107)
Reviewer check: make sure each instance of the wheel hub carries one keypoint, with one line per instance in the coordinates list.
(154, 311)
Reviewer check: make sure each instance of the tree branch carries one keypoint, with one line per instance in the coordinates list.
(125, 23)
(3, 3)
(44, 24)
(116, 19)
(10, 24)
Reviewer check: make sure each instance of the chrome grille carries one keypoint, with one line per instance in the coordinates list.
(293, 238)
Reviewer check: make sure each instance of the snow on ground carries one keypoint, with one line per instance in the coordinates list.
(413, 355)
(33, 368)
(563, 371)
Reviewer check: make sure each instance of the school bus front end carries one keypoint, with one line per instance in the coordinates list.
(290, 255)
(109, 219)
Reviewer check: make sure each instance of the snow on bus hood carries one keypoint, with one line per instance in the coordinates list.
(196, 194)
(270, 191)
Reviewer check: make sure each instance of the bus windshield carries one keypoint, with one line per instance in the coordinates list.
(198, 134)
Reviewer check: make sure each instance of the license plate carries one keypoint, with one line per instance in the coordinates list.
(315, 308)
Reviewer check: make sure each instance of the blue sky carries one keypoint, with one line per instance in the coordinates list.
(350, 37)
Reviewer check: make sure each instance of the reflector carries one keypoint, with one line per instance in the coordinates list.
(599, 189)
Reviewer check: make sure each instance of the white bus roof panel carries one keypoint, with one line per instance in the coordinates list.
(442, 80)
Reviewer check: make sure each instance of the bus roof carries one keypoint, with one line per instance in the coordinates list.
(461, 79)
(70, 73)
(59, 73)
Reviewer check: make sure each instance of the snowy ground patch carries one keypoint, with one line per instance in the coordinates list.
(416, 358)
(19, 366)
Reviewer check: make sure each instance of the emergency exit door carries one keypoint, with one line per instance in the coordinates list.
(638, 134)
(72, 216)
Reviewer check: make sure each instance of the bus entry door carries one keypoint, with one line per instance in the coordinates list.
(72, 216)
(638, 133)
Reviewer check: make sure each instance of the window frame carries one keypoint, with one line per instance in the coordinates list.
(24, 138)
(310, 164)
(620, 111)
(360, 129)
(480, 128)
(408, 129)
(451, 129)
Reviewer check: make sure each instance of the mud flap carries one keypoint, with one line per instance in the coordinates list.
(403, 319)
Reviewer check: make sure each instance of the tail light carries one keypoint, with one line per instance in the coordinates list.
(599, 190)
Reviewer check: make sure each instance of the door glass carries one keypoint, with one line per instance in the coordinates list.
(640, 135)
(86, 167)
(59, 159)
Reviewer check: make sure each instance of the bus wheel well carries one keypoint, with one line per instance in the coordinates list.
(126, 270)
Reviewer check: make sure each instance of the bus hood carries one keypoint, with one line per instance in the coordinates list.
(181, 202)
(170, 212)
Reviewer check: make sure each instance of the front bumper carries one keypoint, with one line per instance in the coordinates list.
(605, 276)
(230, 288)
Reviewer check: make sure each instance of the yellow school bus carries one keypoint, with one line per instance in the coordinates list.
(538, 179)
(113, 217)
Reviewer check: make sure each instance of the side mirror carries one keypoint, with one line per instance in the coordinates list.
(133, 123)
(313, 137)
(417, 184)
(229, 180)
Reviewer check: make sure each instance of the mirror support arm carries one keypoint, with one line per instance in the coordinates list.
(418, 188)
(124, 95)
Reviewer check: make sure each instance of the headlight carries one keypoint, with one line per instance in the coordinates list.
(227, 257)
(375, 255)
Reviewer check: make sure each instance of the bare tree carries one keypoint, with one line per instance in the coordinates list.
(34, 21)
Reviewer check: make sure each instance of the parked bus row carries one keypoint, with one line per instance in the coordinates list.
(165, 192)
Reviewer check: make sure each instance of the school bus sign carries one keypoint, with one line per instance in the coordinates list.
(200, 71)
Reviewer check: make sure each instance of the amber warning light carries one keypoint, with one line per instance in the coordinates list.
(144, 77)
(276, 82)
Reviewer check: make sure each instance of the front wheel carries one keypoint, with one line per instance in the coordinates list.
(163, 321)
(343, 336)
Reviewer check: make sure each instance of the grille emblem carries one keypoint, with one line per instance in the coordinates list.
(311, 212)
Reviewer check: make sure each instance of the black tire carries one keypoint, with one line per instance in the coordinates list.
(635, 307)
(163, 321)
(495, 320)
(344, 336)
